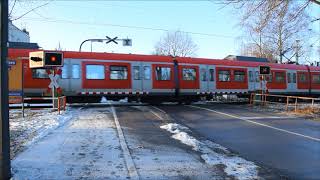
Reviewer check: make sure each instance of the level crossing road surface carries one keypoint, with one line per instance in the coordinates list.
(288, 145)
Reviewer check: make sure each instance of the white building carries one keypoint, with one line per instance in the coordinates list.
(17, 35)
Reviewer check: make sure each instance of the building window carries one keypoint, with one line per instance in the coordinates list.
(280, 77)
(211, 74)
(118, 72)
(147, 72)
(163, 73)
(239, 76)
(64, 72)
(289, 78)
(136, 72)
(294, 77)
(39, 74)
(257, 76)
(95, 72)
(224, 75)
(316, 78)
(75, 71)
(203, 73)
(189, 74)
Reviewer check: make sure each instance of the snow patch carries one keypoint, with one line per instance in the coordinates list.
(104, 100)
(234, 165)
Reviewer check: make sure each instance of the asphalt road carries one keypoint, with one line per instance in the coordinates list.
(290, 146)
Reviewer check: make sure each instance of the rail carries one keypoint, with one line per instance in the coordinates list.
(288, 102)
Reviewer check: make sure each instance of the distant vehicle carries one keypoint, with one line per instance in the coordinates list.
(87, 76)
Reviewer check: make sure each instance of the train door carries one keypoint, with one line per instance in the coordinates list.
(75, 79)
(141, 77)
(291, 81)
(146, 77)
(207, 78)
(136, 76)
(64, 80)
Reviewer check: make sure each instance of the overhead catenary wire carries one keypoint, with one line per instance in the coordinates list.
(64, 21)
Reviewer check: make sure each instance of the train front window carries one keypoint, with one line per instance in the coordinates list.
(224, 75)
(39, 74)
(118, 72)
(316, 78)
(189, 74)
(95, 72)
(163, 73)
(239, 76)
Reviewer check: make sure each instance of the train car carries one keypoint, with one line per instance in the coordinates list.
(88, 76)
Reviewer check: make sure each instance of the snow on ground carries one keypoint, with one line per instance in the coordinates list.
(36, 124)
(87, 147)
(234, 165)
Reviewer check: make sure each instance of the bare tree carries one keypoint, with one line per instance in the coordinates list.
(27, 5)
(274, 26)
(176, 43)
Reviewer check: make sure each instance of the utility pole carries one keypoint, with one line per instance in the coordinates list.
(297, 51)
(4, 106)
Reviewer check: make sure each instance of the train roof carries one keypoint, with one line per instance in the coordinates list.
(14, 53)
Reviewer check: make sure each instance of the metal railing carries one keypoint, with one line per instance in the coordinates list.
(57, 103)
(287, 103)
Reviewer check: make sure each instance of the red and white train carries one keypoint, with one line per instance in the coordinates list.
(87, 76)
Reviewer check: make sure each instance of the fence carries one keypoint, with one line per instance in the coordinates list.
(57, 103)
(287, 103)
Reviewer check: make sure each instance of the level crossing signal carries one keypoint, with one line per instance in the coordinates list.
(264, 70)
(40, 59)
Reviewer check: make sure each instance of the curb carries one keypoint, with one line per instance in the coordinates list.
(127, 156)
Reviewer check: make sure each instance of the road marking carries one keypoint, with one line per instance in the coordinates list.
(159, 109)
(127, 156)
(257, 123)
(266, 117)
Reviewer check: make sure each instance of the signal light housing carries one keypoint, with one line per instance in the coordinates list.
(40, 59)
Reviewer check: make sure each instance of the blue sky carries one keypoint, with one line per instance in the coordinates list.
(71, 22)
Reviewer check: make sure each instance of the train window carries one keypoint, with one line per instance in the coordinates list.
(75, 71)
(239, 76)
(118, 72)
(280, 77)
(163, 73)
(64, 72)
(224, 75)
(268, 78)
(251, 78)
(147, 72)
(203, 72)
(257, 76)
(189, 74)
(136, 72)
(95, 72)
(289, 77)
(316, 78)
(294, 77)
(39, 74)
(211, 74)
(302, 77)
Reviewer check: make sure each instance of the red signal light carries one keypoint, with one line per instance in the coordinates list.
(53, 58)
